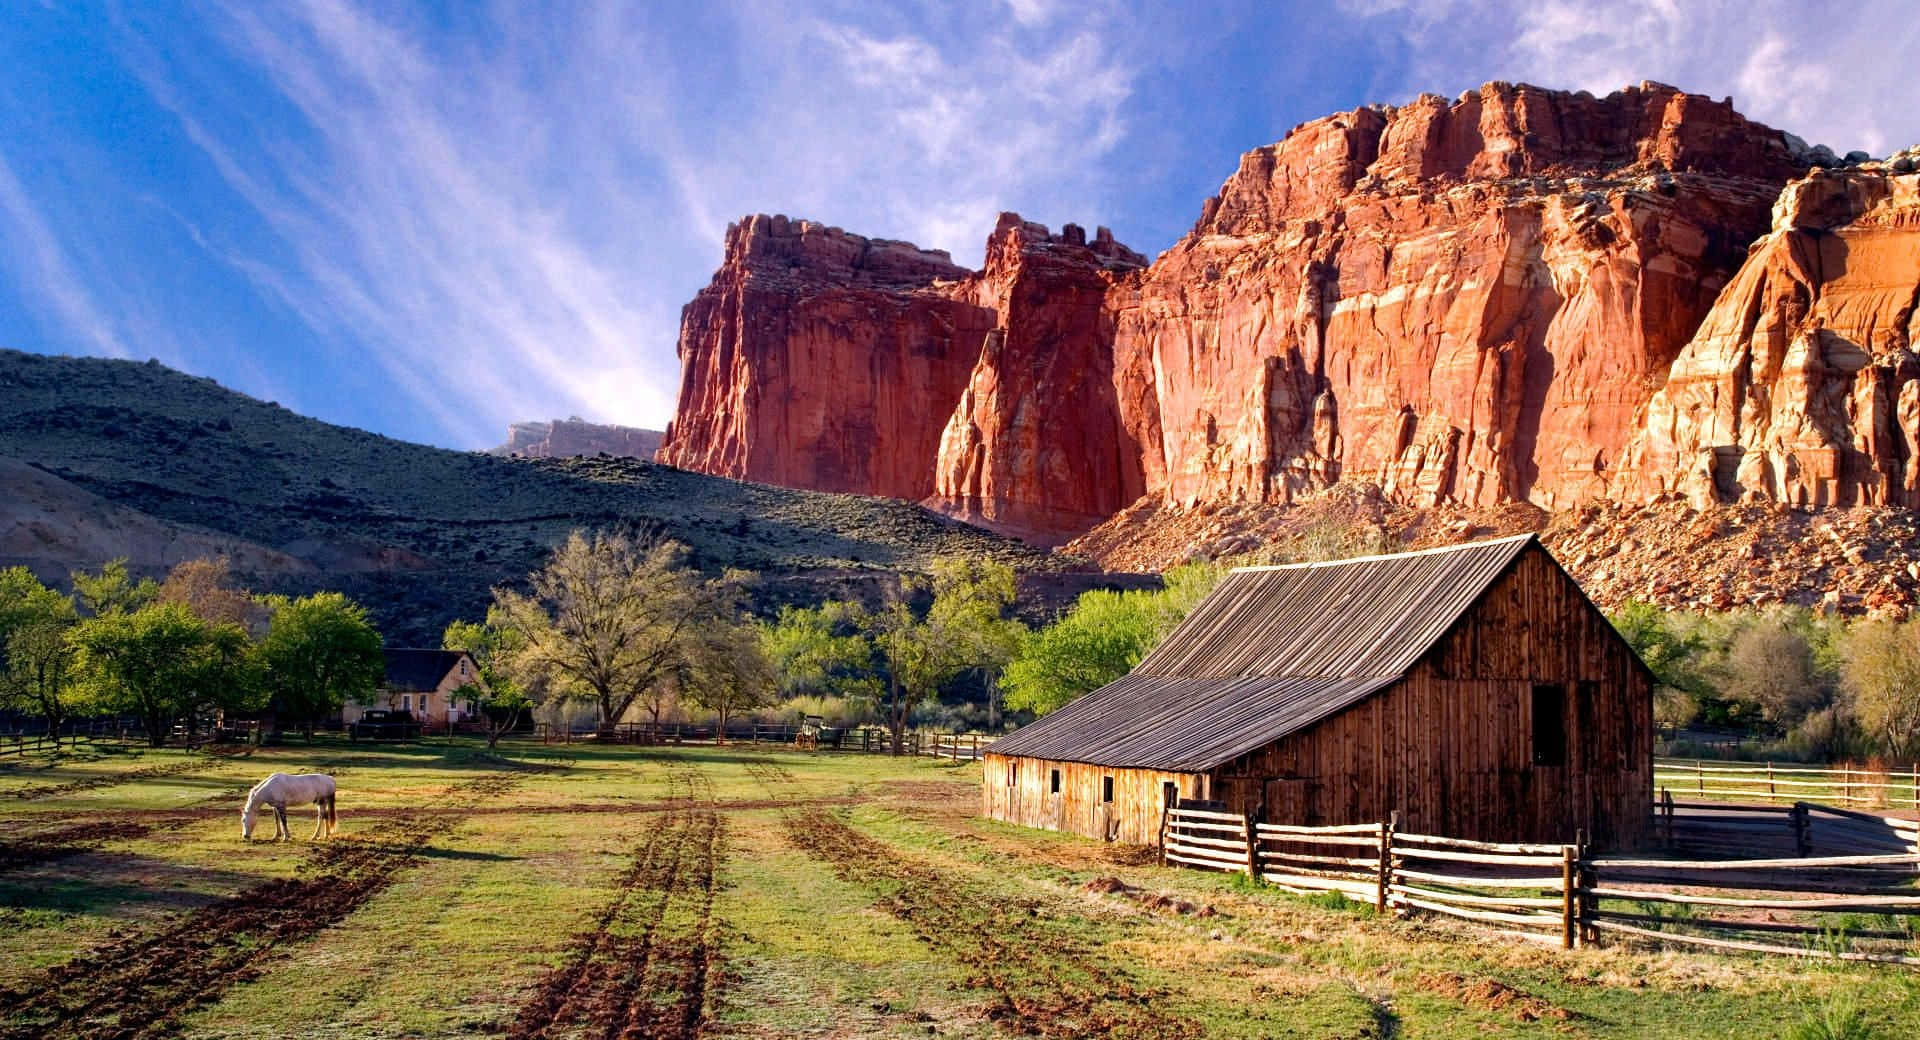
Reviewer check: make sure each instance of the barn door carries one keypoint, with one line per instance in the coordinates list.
(1286, 801)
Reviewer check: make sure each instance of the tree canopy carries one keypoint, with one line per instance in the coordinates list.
(320, 652)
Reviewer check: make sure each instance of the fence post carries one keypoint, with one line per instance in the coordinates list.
(1700, 778)
(1569, 916)
(1769, 782)
(1666, 817)
(1253, 846)
(1802, 830)
(976, 747)
(1387, 827)
(1166, 822)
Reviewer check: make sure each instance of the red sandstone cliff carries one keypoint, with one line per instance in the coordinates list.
(1518, 296)
(1036, 446)
(819, 359)
(1802, 385)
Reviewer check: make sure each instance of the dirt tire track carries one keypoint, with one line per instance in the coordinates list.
(139, 987)
(65, 841)
(656, 936)
(1048, 983)
(40, 791)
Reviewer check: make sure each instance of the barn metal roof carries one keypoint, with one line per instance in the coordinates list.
(1270, 651)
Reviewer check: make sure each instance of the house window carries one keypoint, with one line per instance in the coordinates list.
(1549, 726)
(406, 702)
(423, 703)
(1053, 785)
(463, 668)
(1106, 789)
(1169, 794)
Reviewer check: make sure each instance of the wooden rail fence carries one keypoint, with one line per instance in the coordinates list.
(1849, 785)
(1562, 894)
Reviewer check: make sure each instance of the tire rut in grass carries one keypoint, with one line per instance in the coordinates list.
(1048, 982)
(140, 986)
(62, 842)
(40, 791)
(650, 966)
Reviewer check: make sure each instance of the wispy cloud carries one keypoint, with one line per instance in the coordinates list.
(40, 263)
(1841, 74)
(506, 224)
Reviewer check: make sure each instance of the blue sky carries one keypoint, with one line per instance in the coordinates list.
(430, 220)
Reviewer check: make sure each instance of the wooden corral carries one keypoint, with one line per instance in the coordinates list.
(1474, 690)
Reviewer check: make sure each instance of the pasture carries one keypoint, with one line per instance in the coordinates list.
(736, 892)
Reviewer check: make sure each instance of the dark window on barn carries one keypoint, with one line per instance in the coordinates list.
(1169, 794)
(1013, 772)
(1054, 784)
(1549, 726)
(1106, 789)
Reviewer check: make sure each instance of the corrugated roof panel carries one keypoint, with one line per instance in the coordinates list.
(1271, 651)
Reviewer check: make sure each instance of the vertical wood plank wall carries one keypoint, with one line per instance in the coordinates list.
(1451, 745)
(1133, 817)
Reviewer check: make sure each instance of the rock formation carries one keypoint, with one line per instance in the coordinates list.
(1519, 297)
(824, 360)
(566, 438)
(1036, 447)
(1802, 385)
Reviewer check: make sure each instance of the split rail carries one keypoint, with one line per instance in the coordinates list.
(1847, 784)
(1858, 907)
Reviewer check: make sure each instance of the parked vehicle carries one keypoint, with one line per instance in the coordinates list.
(381, 724)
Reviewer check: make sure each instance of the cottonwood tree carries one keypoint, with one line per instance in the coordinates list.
(36, 661)
(206, 586)
(922, 652)
(612, 622)
(162, 663)
(504, 692)
(1880, 667)
(823, 651)
(727, 671)
(1103, 636)
(114, 590)
(320, 652)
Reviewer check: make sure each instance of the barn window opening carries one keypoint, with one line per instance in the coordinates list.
(1053, 785)
(1106, 789)
(1169, 794)
(1013, 772)
(1549, 726)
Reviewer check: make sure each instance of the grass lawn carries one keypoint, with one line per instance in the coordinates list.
(583, 892)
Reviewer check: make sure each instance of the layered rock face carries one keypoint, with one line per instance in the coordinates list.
(1036, 446)
(1802, 385)
(1464, 302)
(566, 438)
(1518, 297)
(824, 360)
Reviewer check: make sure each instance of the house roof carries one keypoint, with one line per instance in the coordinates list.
(1272, 650)
(410, 669)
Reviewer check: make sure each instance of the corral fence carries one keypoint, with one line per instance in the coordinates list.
(1853, 785)
(84, 731)
(963, 747)
(1847, 907)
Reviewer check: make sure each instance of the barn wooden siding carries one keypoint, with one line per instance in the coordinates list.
(1018, 790)
(1450, 746)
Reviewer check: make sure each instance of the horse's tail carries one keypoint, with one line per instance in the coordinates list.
(333, 817)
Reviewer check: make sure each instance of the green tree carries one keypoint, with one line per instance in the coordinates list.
(502, 695)
(113, 590)
(727, 671)
(612, 623)
(162, 663)
(969, 611)
(320, 651)
(921, 652)
(35, 658)
(1100, 639)
(1769, 663)
(1880, 667)
(824, 651)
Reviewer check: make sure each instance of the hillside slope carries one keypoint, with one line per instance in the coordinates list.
(418, 533)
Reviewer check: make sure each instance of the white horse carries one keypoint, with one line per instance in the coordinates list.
(283, 789)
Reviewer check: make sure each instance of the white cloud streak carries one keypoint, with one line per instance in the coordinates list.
(509, 236)
(1841, 74)
(41, 265)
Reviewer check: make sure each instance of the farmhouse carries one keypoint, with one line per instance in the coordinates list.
(1474, 689)
(422, 682)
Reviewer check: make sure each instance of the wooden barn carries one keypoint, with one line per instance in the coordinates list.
(1474, 689)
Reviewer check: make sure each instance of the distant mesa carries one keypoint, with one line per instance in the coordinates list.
(574, 436)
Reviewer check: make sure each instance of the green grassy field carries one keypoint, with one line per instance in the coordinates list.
(579, 892)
